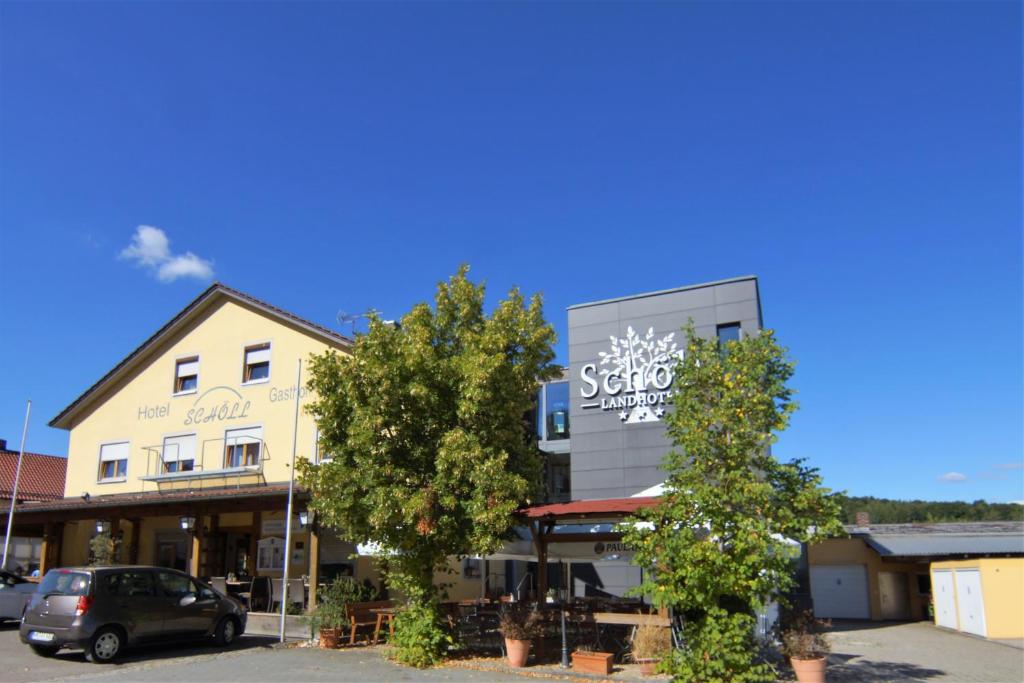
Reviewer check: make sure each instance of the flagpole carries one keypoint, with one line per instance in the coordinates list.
(291, 495)
(14, 493)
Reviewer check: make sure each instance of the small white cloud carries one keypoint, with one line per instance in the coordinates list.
(151, 248)
(953, 477)
(187, 265)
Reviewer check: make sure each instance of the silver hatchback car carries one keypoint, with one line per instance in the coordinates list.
(106, 609)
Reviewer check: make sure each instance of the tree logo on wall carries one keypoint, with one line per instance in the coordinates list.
(637, 376)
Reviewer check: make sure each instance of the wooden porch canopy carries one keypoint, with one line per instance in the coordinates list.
(153, 503)
(542, 520)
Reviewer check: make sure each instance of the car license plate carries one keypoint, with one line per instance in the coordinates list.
(40, 636)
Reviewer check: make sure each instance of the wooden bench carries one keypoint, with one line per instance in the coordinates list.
(360, 615)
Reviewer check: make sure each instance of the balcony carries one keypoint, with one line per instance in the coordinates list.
(236, 457)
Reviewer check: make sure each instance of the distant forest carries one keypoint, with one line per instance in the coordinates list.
(885, 511)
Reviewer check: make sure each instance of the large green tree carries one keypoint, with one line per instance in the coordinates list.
(430, 453)
(720, 542)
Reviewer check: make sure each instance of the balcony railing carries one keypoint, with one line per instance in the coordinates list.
(211, 462)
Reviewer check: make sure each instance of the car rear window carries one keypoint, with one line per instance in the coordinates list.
(64, 582)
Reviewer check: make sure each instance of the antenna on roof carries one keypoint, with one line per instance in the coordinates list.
(351, 318)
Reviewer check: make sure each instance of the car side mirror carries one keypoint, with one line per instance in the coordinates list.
(187, 600)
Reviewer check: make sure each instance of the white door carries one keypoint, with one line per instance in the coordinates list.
(968, 598)
(840, 591)
(943, 597)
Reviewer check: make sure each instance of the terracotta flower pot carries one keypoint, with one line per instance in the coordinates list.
(809, 670)
(593, 662)
(518, 652)
(647, 666)
(329, 638)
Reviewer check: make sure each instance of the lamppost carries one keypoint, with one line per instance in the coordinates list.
(188, 524)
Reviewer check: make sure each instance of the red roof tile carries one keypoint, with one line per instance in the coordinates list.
(589, 508)
(42, 476)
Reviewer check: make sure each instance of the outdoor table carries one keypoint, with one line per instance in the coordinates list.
(382, 614)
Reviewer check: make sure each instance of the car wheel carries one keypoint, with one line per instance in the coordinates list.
(227, 631)
(105, 645)
(43, 651)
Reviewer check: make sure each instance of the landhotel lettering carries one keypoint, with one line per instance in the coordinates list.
(638, 378)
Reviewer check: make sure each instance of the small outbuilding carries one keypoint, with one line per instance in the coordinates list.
(884, 571)
(983, 596)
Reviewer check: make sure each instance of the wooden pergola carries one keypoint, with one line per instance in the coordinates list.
(542, 520)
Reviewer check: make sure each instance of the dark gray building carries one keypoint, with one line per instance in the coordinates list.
(621, 353)
(602, 423)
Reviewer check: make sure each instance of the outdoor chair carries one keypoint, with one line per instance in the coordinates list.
(361, 616)
(296, 593)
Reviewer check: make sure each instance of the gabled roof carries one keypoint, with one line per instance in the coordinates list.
(213, 293)
(42, 476)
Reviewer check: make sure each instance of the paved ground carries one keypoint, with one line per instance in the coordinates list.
(871, 651)
(868, 652)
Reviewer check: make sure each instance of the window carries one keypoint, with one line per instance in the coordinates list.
(186, 375)
(131, 584)
(556, 411)
(270, 554)
(727, 333)
(175, 585)
(179, 453)
(242, 447)
(114, 461)
(65, 582)
(257, 364)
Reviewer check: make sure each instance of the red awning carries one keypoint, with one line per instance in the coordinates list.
(588, 508)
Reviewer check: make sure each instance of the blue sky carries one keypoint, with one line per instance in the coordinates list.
(863, 159)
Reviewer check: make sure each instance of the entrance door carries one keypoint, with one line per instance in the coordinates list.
(943, 593)
(840, 591)
(892, 588)
(969, 601)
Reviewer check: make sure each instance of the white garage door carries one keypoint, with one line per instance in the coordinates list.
(968, 598)
(840, 591)
(942, 594)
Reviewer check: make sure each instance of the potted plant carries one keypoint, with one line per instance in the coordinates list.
(585, 659)
(650, 644)
(519, 625)
(807, 646)
(330, 617)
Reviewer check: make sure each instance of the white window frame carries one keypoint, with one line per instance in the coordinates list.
(256, 346)
(269, 544)
(259, 456)
(179, 361)
(100, 479)
(164, 460)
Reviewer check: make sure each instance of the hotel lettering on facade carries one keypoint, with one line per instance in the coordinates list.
(198, 421)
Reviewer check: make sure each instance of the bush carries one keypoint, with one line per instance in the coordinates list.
(803, 636)
(331, 611)
(519, 623)
(420, 638)
(650, 642)
(718, 648)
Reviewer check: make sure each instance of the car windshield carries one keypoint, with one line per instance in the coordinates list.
(64, 582)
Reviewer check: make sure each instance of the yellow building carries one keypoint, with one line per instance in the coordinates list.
(196, 423)
(984, 596)
(887, 571)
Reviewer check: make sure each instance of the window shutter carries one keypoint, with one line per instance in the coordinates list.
(114, 451)
(188, 368)
(177, 448)
(261, 355)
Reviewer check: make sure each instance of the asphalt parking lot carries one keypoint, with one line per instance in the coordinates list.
(862, 652)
